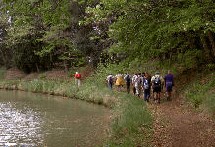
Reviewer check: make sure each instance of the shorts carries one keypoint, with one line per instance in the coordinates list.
(157, 89)
(169, 88)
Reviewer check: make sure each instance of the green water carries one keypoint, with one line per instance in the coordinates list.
(29, 119)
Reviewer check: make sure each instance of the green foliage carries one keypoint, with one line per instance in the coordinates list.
(210, 103)
(178, 31)
(210, 66)
(132, 125)
(190, 58)
(55, 18)
(48, 30)
(201, 92)
(153, 30)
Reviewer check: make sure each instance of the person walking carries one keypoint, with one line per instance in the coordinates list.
(157, 82)
(120, 81)
(169, 83)
(128, 82)
(146, 84)
(77, 79)
(133, 83)
(110, 80)
(136, 82)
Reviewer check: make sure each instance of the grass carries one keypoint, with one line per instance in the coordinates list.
(2, 73)
(201, 92)
(132, 125)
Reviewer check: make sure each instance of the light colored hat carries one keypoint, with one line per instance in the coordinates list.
(157, 72)
(76, 72)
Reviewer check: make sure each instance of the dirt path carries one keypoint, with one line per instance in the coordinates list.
(178, 125)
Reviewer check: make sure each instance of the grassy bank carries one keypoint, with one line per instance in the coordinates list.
(201, 92)
(131, 121)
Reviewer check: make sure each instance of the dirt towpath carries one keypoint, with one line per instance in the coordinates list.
(178, 125)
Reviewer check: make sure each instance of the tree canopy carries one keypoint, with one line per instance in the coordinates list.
(42, 34)
(178, 30)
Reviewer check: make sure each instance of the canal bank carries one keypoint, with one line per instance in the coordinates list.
(130, 120)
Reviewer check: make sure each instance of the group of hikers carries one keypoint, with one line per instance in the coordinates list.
(143, 83)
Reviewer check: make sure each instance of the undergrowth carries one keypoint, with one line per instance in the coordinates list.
(201, 92)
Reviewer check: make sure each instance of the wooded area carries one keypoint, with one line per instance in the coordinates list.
(37, 35)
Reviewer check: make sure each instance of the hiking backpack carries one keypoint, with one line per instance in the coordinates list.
(157, 82)
(146, 84)
(128, 78)
(110, 80)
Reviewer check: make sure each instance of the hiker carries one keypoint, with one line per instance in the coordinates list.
(169, 83)
(110, 80)
(128, 82)
(141, 79)
(146, 84)
(133, 81)
(77, 79)
(120, 81)
(157, 82)
(136, 83)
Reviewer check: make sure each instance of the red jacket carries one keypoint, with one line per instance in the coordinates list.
(78, 76)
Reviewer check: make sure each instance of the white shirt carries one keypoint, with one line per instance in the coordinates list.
(157, 76)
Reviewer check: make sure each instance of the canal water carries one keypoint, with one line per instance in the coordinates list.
(29, 119)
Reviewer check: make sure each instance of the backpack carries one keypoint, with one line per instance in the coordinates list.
(146, 84)
(78, 76)
(110, 80)
(128, 79)
(157, 82)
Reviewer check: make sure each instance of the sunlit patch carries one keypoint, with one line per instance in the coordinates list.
(19, 127)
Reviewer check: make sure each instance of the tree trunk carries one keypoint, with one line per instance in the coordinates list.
(206, 49)
(38, 70)
(3, 56)
(65, 65)
(211, 38)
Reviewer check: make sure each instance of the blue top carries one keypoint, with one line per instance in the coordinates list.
(169, 78)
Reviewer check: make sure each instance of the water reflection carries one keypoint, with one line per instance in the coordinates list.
(28, 119)
(19, 126)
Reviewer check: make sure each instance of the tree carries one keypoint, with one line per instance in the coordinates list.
(44, 34)
(5, 53)
(181, 31)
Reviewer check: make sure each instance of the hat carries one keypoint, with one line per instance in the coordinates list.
(76, 72)
(157, 72)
